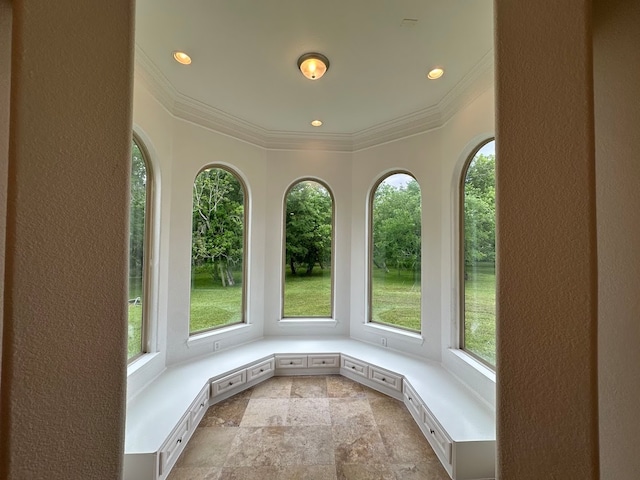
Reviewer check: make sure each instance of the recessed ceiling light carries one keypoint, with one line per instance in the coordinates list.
(182, 58)
(316, 123)
(435, 73)
(313, 65)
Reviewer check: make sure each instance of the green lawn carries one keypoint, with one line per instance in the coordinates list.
(396, 301)
(480, 311)
(396, 298)
(308, 295)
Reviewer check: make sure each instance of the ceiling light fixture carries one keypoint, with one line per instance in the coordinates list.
(316, 123)
(313, 65)
(182, 58)
(435, 73)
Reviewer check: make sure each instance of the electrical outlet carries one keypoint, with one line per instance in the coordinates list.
(383, 341)
(216, 346)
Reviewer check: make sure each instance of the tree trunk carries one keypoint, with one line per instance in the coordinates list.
(223, 276)
(292, 264)
(230, 280)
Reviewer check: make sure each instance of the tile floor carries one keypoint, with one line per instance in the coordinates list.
(311, 428)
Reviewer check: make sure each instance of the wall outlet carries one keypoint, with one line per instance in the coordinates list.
(216, 346)
(383, 341)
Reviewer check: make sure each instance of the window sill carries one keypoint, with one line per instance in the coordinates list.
(412, 337)
(210, 336)
(140, 362)
(306, 322)
(475, 364)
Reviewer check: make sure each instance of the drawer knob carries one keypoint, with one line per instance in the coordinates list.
(323, 362)
(354, 367)
(384, 379)
(432, 431)
(230, 383)
(261, 370)
(179, 440)
(202, 405)
(290, 363)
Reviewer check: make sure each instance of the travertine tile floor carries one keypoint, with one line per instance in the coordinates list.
(311, 428)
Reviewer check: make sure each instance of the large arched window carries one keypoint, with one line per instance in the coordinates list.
(395, 252)
(217, 250)
(140, 193)
(478, 258)
(308, 248)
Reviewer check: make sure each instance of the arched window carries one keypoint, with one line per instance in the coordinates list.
(478, 259)
(308, 248)
(395, 252)
(217, 250)
(140, 194)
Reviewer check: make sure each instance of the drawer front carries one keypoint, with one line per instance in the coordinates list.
(385, 377)
(323, 361)
(411, 399)
(260, 369)
(229, 382)
(355, 366)
(171, 449)
(199, 407)
(291, 361)
(441, 441)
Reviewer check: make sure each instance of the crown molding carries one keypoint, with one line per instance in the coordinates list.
(477, 81)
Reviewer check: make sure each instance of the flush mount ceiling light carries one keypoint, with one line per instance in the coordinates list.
(313, 65)
(435, 73)
(316, 123)
(182, 58)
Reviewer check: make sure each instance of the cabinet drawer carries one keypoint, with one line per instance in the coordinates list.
(385, 377)
(440, 439)
(355, 366)
(199, 407)
(323, 361)
(171, 449)
(260, 369)
(291, 361)
(229, 382)
(411, 399)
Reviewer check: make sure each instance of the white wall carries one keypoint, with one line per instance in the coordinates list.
(435, 158)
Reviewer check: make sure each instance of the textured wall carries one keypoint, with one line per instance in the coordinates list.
(5, 83)
(547, 390)
(64, 355)
(617, 109)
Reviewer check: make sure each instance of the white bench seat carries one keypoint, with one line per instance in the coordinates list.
(155, 412)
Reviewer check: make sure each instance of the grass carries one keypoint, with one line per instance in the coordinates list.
(480, 311)
(396, 298)
(396, 302)
(308, 295)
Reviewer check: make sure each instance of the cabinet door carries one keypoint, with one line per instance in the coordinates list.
(286, 362)
(324, 361)
(260, 369)
(170, 450)
(199, 407)
(229, 382)
(385, 377)
(440, 440)
(354, 366)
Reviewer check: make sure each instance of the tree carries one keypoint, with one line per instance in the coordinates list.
(218, 223)
(308, 226)
(480, 211)
(138, 201)
(397, 224)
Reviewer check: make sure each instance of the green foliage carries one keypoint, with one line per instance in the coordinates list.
(308, 227)
(480, 211)
(218, 224)
(397, 213)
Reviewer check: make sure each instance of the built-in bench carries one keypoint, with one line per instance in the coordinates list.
(163, 416)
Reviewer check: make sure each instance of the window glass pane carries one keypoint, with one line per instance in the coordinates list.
(396, 253)
(217, 251)
(138, 206)
(308, 237)
(480, 255)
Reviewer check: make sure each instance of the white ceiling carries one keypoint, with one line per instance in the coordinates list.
(245, 51)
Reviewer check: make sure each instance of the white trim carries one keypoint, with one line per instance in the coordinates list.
(378, 329)
(211, 336)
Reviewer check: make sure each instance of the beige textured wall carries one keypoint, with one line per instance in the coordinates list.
(547, 386)
(5, 83)
(64, 357)
(617, 109)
